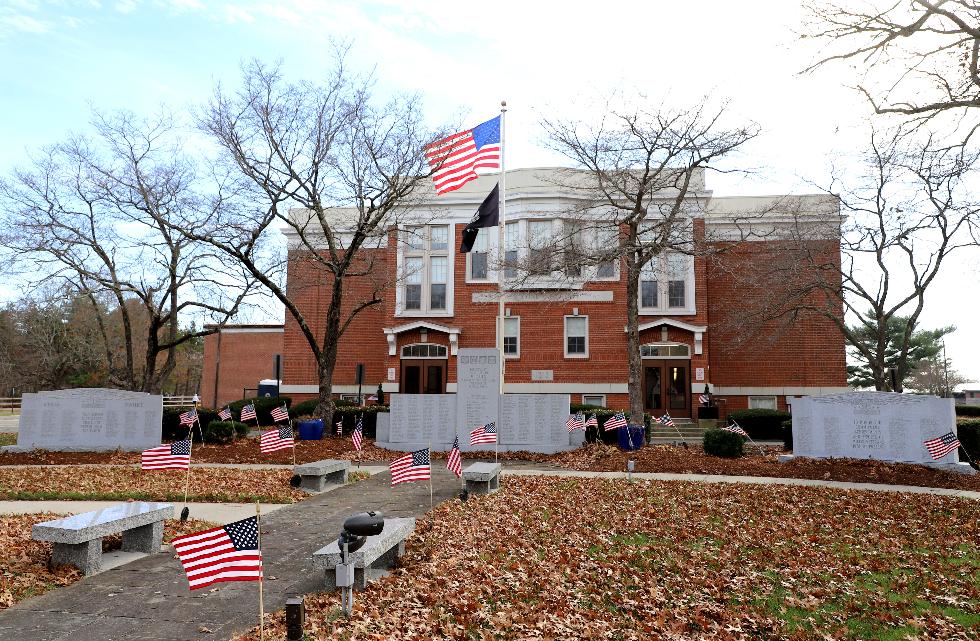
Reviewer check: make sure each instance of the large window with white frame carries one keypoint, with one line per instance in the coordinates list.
(576, 337)
(667, 285)
(512, 337)
(478, 262)
(425, 268)
(762, 403)
(512, 243)
(540, 248)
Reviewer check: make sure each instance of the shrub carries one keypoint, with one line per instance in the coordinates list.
(723, 443)
(343, 402)
(968, 431)
(968, 410)
(172, 430)
(221, 431)
(575, 408)
(787, 427)
(762, 425)
(263, 406)
(304, 408)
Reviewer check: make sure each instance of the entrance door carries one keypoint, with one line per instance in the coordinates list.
(423, 377)
(667, 386)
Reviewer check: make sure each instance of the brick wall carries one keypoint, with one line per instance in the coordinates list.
(246, 357)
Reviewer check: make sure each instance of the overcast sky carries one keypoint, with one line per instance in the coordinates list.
(545, 58)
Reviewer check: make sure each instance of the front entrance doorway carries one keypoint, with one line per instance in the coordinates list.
(423, 377)
(667, 387)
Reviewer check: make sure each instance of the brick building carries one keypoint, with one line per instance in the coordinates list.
(236, 357)
(565, 330)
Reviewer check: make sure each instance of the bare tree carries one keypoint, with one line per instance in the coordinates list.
(97, 214)
(915, 58)
(331, 167)
(905, 214)
(639, 176)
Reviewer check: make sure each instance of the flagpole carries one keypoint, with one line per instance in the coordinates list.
(500, 267)
(430, 475)
(184, 513)
(258, 534)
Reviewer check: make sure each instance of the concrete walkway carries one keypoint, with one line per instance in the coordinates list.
(149, 599)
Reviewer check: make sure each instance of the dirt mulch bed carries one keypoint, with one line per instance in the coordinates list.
(24, 562)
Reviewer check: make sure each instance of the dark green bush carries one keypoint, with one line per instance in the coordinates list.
(968, 410)
(968, 432)
(787, 427)
(263, 406)
(304, 408)
(762, 425)
(221, 432)
(343, 402)
(723, 443)
(172, 430)
(575, 408)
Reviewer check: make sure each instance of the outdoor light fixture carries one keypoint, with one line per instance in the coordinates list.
(294, 618)
(356, 530)
(295, 480)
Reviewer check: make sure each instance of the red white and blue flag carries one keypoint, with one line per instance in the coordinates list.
(575, 422)
(227, 553)
(358, 435)
(453, 462)
(484, 434)
(188, 418)
(705, 399)
(942, 445)
(340, 427)
(593, 421)
(736, 428)
(455, 159)
(280, 414)
(225, 414)
(248, 413)
(278, 438)
(175, 456)
(615, 422)
(666, 421)
(414, 466)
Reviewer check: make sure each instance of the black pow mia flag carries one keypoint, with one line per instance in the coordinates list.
(488, 215)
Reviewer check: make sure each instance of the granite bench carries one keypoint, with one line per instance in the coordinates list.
(373, 560)
(78, 539)
(482, 478)
(316, 476)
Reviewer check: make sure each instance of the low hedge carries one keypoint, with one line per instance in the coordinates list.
(263, 406)
(968, 410)
(723, 443)
(762, 425)
(172, 430)
(968, 431)
(222, 432)
(787, 427)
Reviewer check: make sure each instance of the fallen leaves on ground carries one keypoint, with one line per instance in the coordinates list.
(550, 558)
(91, 482)
(24, 563)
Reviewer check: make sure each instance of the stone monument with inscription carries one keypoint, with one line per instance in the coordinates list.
(530, 422)
(877, 425)
(88, 419)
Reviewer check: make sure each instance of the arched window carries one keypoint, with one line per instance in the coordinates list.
(424, 350)
(665, 350)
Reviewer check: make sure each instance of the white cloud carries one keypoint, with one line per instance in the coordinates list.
(24, 23)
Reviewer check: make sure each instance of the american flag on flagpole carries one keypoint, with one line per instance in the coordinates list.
(736, 428)
(615, 422)
(414, 466)
(666, 421)
(278, 438)
(593, 421)
(455, 159)
(704, 399)
(188, 418)
(248, 413)
(280, 414)
(575, 422)
(942, 445)
(484, 434)
(225, 414)
(227, 553)
(358, 435)
(176, 456)
(453, 462)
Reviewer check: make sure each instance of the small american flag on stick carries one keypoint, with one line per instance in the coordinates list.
(280, 414)
(414, 466)
(453, 462)
(705, 399)
(188, 418)
(484, 434)
(615, 422)
(575, 422)
(248, 413)
(176, 456)
(279, 438)
(358, 435)
(593, 421)
(666, 421)
(225, 414)
(227, 553)
(340, 427)
(736, 428)
(942, 445)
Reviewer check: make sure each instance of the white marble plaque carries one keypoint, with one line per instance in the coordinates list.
(477, 388)
(877, 425)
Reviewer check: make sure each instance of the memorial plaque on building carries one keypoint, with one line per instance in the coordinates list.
(89, 420)
(877, 425)
(477, 389)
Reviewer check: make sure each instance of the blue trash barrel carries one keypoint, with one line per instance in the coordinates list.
(631, 437)
(311, 430)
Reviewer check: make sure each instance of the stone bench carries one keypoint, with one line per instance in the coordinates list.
(482, 478)
(373, 560)
(316, 476)
(78, 539)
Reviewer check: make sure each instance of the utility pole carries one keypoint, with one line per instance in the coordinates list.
(945, 373)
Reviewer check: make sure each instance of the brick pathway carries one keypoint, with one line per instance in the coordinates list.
(149, 599)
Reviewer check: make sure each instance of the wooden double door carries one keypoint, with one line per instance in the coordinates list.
(667, 387)
(426, 376)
